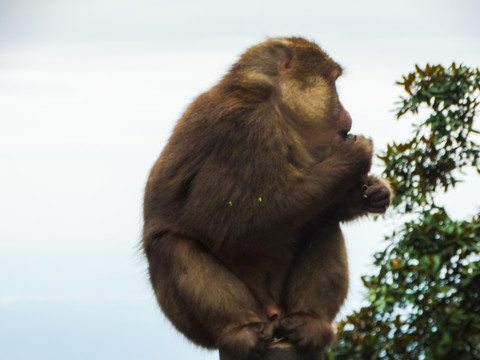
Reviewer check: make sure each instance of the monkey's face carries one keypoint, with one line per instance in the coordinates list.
(308, 96)
(316, 113)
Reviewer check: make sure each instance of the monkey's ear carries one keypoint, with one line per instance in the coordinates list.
(284, 66)
(283, 52)
(260, 65)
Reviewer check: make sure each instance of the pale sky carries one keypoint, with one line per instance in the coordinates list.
(89, 93)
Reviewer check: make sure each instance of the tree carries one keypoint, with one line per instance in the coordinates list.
(424, 301)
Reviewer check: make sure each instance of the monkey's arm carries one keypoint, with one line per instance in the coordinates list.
(233, 203)
(370, 195)
(330, 181)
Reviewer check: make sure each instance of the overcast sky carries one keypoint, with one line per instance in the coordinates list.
(89, 93)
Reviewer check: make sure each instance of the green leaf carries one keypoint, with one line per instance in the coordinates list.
(424, 296)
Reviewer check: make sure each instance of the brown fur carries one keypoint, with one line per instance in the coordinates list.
(242, 208)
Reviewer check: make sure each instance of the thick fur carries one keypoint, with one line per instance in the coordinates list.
(242, 209)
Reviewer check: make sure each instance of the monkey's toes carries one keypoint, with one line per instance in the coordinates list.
(307, 332)
(246, 340)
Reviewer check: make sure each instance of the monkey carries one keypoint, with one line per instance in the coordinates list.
(242, 210)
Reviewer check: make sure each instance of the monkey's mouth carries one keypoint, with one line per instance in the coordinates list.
(343, 134)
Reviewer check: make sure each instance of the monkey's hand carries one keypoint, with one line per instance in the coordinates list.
(369, 195)
(377, 195)
(356, 152)
(246, 341)
(309, 334)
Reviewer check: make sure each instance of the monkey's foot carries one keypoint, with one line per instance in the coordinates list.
(310, 334)
(246, 340)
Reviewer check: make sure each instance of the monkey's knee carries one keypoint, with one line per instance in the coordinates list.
(165, 267)
(184, 318)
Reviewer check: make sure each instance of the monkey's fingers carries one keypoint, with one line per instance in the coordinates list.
(377, 209)
(364, 190)
(377, 198)
(351, 138)
(376, 192)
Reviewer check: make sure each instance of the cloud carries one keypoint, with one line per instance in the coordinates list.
(6, 299)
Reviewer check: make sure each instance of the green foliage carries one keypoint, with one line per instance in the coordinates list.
(424, 302)
(441, 144)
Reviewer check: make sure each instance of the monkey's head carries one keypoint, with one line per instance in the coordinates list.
(298, 78)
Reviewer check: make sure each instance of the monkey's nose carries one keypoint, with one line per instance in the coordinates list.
(273, 317)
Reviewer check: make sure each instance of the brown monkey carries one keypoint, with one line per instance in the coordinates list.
(242, 209)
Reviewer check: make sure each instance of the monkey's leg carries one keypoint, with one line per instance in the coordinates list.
(316, 289)
(203, 299)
